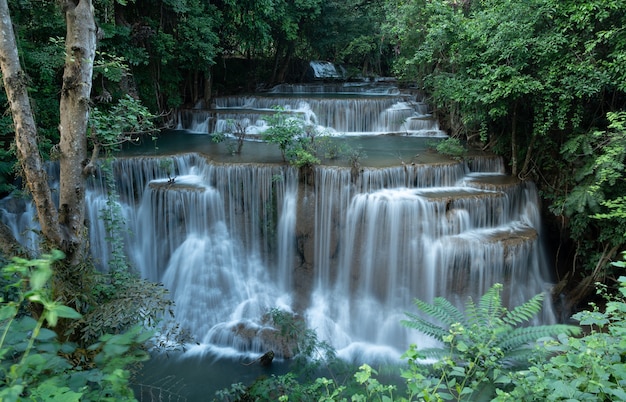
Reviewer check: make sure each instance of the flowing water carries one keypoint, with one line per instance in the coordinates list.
(346, 250)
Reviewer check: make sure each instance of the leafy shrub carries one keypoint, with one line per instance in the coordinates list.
(36, 365)
(283, 131)
(238, 129)
(589, 368)
(479, 345)
(301, 145)
(451, 147)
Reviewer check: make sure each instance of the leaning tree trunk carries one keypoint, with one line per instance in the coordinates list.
(15, 85)
(80, 48)
(63, 228)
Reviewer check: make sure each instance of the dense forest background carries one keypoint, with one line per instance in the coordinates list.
(540, 82)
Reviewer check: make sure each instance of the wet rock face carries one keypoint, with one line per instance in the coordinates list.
(305, 224)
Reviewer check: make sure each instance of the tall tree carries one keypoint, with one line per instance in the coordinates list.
(62, 227)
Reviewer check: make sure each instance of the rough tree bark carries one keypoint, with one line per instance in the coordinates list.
(25, 129)
(80, 52)
(61, 228)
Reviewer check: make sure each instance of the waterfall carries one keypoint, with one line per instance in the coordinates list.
(337, 109)
(381, 243)
(345, 249)
(347, 253)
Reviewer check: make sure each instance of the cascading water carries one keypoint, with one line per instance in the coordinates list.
(416, 231)
(346, 250)
(348, 110)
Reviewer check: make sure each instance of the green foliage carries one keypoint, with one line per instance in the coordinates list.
(302, 146)
(35, 365)
(124, 121)
(451, 147)
(305, 347)
(120, 299)
(284, 130)
(599, 157)
(349, 32)
(301, 157)
(594, 200)
(538, 81)
(238, 129)
(481, 344)
(374, 390)
(309, 355)
(7, 167)
(168, 48)
(283, 388)
(588, 368)
(112, 217)
(485, 354)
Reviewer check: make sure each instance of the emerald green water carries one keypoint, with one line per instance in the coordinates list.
(375, 151)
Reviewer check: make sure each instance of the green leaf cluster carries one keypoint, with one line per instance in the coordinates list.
(588, 368)
(486, 354)
(295, 140)
(451, 147)
(35, 365)
(124, 121)
(481, 344)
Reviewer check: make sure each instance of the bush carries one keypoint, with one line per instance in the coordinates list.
(36, 365)
(589, 368)
(451, 147)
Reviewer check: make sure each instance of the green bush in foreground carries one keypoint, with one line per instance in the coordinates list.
(589, 368)
(479, 345)
(35, 365)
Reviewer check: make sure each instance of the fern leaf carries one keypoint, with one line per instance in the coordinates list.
(521, 337)
(524, 312)
(433, 354)
(426, 327)
(450, 314)
(490, 304)
(488, 310)
(441, 310)
(520, 357)
(472, 315)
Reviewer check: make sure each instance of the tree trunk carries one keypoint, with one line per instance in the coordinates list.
(63, 228)
(208, 88)
(529, 151)
(282, 74)
(80, 48)
(26, 130)
(514, 141)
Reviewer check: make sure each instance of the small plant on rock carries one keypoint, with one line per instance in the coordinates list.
(451, 147)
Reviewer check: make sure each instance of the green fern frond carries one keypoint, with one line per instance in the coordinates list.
(521, 356)
(426, 327)
(524, 312)
(450, 314)
(442, 314)
(523, 336)
(441, 310)
(490, 306)
(433, 354)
